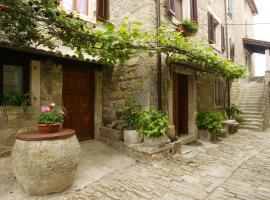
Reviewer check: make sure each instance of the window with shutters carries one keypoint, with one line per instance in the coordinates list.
(230, 7)
(14, 77)
(223, 41)
(232, 49)
(80, 6)
(212, 25)
(176, 9)
(219, 93)
(193, 10)
(103, 10)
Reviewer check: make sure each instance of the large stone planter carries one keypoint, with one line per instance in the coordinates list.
(156, 141)
(45, 163)
(205, 135)
(132, 137)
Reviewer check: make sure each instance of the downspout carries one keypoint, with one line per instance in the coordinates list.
(227, 54)
(159, 59)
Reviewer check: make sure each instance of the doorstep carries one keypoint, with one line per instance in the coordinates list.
(146, 154)
(187, 138)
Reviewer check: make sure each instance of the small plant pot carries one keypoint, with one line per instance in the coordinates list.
(183, 29)
(156, 141)
(214, 138)
(48, 128)
(132, 137)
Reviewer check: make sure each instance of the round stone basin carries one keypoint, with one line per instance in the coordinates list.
(45, 163)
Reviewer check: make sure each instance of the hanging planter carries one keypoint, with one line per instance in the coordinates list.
(188, 28)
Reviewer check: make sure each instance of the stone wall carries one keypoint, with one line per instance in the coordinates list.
(206, 94)
(51, 83)
(45, 86)
(135, 79)
(265, 102)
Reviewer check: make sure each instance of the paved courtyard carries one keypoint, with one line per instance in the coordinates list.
(238, 168)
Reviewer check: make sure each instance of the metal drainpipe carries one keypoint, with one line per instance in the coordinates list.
(227, 52)
(159, 59)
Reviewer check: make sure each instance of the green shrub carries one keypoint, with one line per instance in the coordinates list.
(234, 113)
(191, 26)
(152, 123)
(15, 99)
(211, 121)
(52, 117)
(130, 115)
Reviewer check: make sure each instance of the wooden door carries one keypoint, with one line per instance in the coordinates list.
(180, 103)
(78, 101)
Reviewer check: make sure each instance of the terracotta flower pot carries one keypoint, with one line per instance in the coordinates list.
(185, 32)
(48, 128)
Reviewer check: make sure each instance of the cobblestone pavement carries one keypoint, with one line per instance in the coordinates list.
(236, 169)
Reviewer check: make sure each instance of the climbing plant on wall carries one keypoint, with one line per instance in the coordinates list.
(41, 22)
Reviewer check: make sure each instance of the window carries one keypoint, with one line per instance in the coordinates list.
(14, 77)
(193, 11)
(219, 93)
(81, 6)
(103, 10)
(232, 49)
(176, 9)
(223, 43)
(230, 7)
(212, 25)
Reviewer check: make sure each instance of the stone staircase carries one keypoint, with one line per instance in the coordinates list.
(250, 105)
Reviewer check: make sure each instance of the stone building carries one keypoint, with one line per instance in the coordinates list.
(92, 95)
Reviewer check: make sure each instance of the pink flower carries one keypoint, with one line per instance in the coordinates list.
(51, 105)
(45, 109)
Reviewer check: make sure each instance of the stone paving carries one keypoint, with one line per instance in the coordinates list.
(238, 168)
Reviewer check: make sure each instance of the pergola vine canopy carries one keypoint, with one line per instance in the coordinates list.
(41, 22)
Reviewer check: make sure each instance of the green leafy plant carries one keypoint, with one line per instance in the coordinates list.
(211, 121)
(130, 115)
(42, 23)
(50, 115)
(190, 26)
(152, 123)
(15, 99)
(234, 112)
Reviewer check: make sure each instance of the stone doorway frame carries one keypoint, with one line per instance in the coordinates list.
(192, 102)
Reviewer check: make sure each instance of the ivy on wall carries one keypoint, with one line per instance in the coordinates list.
(41, 22)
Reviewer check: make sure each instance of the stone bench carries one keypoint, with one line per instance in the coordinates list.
(231, 126)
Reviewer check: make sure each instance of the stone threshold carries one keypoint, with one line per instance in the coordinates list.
(143, 153)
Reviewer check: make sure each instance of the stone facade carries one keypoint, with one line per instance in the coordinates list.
(125, 83)
(45, 87)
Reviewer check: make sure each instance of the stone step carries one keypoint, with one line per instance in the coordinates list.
(251, 102)
(253, 123)
(246, 110)
(254, 128)
(252, 113)
(248, 106)
(252, 116)
(242, 97)
(253, 120)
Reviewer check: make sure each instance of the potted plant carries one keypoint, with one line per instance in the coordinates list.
(188, 27)
(234, 113)
(211, 122)
(130, 116)
(153, 125)
(50, 119)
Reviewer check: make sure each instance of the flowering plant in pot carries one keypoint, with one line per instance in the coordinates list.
(50, 119)
(130, 116)
(153, 125)
(188, 27)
